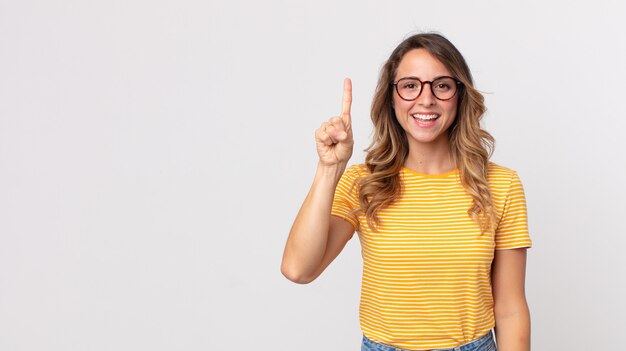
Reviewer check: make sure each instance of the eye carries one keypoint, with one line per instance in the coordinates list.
(409, 85)
(443, 85)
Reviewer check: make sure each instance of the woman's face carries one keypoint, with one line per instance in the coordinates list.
(425, 119)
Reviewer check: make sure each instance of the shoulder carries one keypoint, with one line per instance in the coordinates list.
(501, 178)
(357, 171)
(349, 183)
(351, 177)
(496, 172)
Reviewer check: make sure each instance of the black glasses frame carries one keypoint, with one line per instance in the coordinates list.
(430, 83)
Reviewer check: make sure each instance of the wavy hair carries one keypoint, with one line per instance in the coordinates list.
(471, 146)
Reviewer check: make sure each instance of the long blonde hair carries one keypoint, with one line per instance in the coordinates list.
(471, 146)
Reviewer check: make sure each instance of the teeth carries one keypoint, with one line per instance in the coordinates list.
(425, 117)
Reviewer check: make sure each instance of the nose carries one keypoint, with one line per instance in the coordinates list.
(426, 96)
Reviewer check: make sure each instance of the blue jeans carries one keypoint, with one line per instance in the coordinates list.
(484, 343)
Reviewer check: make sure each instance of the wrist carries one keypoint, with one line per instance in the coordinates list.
(334, 171)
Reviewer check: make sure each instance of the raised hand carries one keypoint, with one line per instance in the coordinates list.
(334, 137)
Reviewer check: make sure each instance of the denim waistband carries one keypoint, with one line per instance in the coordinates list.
(479, 344)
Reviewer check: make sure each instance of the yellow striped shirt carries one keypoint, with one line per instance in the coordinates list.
(427, 271)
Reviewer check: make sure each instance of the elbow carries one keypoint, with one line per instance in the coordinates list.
(514, 309)
(295, 275)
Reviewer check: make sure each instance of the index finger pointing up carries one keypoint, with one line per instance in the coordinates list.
(347, 101)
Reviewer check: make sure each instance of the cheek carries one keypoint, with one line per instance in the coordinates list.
(401, 105)
(453, 109)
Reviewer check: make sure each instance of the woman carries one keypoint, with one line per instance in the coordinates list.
(443, 230)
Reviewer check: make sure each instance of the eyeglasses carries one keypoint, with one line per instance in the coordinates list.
(443, 88)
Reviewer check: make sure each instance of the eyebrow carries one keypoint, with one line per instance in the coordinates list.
(420, 79)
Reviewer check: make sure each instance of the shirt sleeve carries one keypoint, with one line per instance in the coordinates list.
(512, 231)
(346, 196)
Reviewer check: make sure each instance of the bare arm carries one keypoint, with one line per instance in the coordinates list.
(316, 237)
(510, 306)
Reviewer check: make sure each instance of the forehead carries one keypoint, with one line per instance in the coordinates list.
(421, 64)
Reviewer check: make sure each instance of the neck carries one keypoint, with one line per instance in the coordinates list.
(430, 158)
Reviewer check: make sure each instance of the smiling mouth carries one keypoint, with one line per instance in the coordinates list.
(425, 117)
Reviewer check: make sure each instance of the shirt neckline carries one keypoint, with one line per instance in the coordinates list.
(424, 175)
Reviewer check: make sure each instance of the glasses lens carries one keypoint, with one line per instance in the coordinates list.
(444, 88)
(409, 88)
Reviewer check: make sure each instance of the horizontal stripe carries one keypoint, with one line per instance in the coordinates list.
(426, 273)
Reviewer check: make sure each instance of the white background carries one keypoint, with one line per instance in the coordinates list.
(153, 155)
